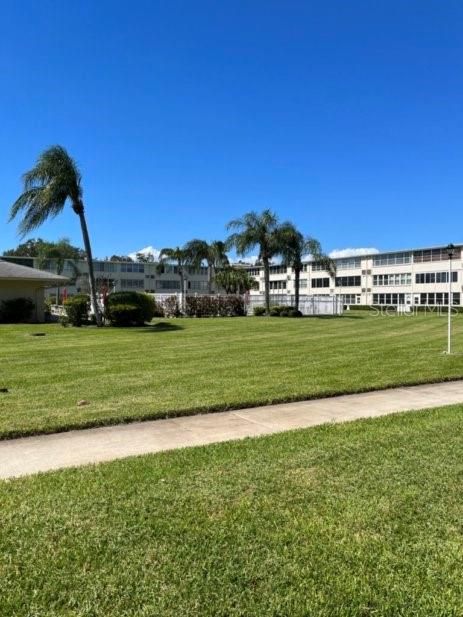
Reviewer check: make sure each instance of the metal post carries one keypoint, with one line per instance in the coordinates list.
(450, 253)
(449, 318)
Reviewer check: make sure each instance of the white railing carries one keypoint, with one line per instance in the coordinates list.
(308, 305)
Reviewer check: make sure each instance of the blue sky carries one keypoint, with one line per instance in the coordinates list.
(345, 117)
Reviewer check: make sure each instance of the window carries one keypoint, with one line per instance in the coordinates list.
(254, 272)
(434, 255)
(129, 267)
(166, 284)
(132, 283)
(392, 259)
(277, 285)
(381, 280)
(424, 278)
(321, 282)
(348, 262)
(350, 298)
(278, 269)
(317, 267)
(198, 285)
(302, 283)
(348, 281)
(436, 299)
(389, 299)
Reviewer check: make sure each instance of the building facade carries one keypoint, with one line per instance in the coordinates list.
(416, 277)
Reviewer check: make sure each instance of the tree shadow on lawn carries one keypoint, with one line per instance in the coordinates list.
(162, 326)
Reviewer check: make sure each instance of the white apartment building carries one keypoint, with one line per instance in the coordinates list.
(409, 277)
(414, 277)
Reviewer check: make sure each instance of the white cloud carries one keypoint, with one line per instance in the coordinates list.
(339, 253)
(148, 250)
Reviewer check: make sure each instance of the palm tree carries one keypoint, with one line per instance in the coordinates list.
(181, 259)
(213, 254)
(294, 246)
(53, 181)
(235, 280)
(262, 231)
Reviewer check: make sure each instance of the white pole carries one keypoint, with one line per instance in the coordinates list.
(449, 307)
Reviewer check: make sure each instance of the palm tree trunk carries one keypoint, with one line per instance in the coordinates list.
(91, 274)
(266, 263)
(297, 276)
(209, 278)
(182, 289)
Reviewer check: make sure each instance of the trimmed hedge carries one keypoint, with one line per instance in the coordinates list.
(259, 311)
(214, 306)
(77, 308)
(17, 310)
(129, 308)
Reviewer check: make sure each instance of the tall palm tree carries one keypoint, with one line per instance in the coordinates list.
(214, 254)
(180, 258)
(53, 181)
(262, 231)
(294, 246)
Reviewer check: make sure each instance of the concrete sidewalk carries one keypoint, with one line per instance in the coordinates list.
(29, 455)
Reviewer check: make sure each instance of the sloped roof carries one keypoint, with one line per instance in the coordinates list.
(14, 272)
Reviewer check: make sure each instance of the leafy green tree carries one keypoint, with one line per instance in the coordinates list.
(261, 231)
(56, 256)
(53, 181)
(293, 247)
(119, 258)
(34, 247)
(143, 258)
(235, 280)
(214, 254)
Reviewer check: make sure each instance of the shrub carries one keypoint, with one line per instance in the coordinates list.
(77, 308)
(158, 309)
(124, 315)
(214, 306)
(259, 311)
(294, 312)
(17, 310)
(275, 311)
(172, 307)
(129, 308)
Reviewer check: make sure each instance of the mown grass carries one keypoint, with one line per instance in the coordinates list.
(190, 365)
(350, 520)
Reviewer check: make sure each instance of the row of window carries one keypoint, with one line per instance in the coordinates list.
(439, 298)
(392, 279)
(392, 259)
(350, 299)
(348, 281)
(321, 282)
(277, 285)
(435, 277)
(430, 299)
(434, 255)
(132, 284)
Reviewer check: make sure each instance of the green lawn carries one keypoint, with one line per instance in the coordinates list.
(188, 365)
(357, 519)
